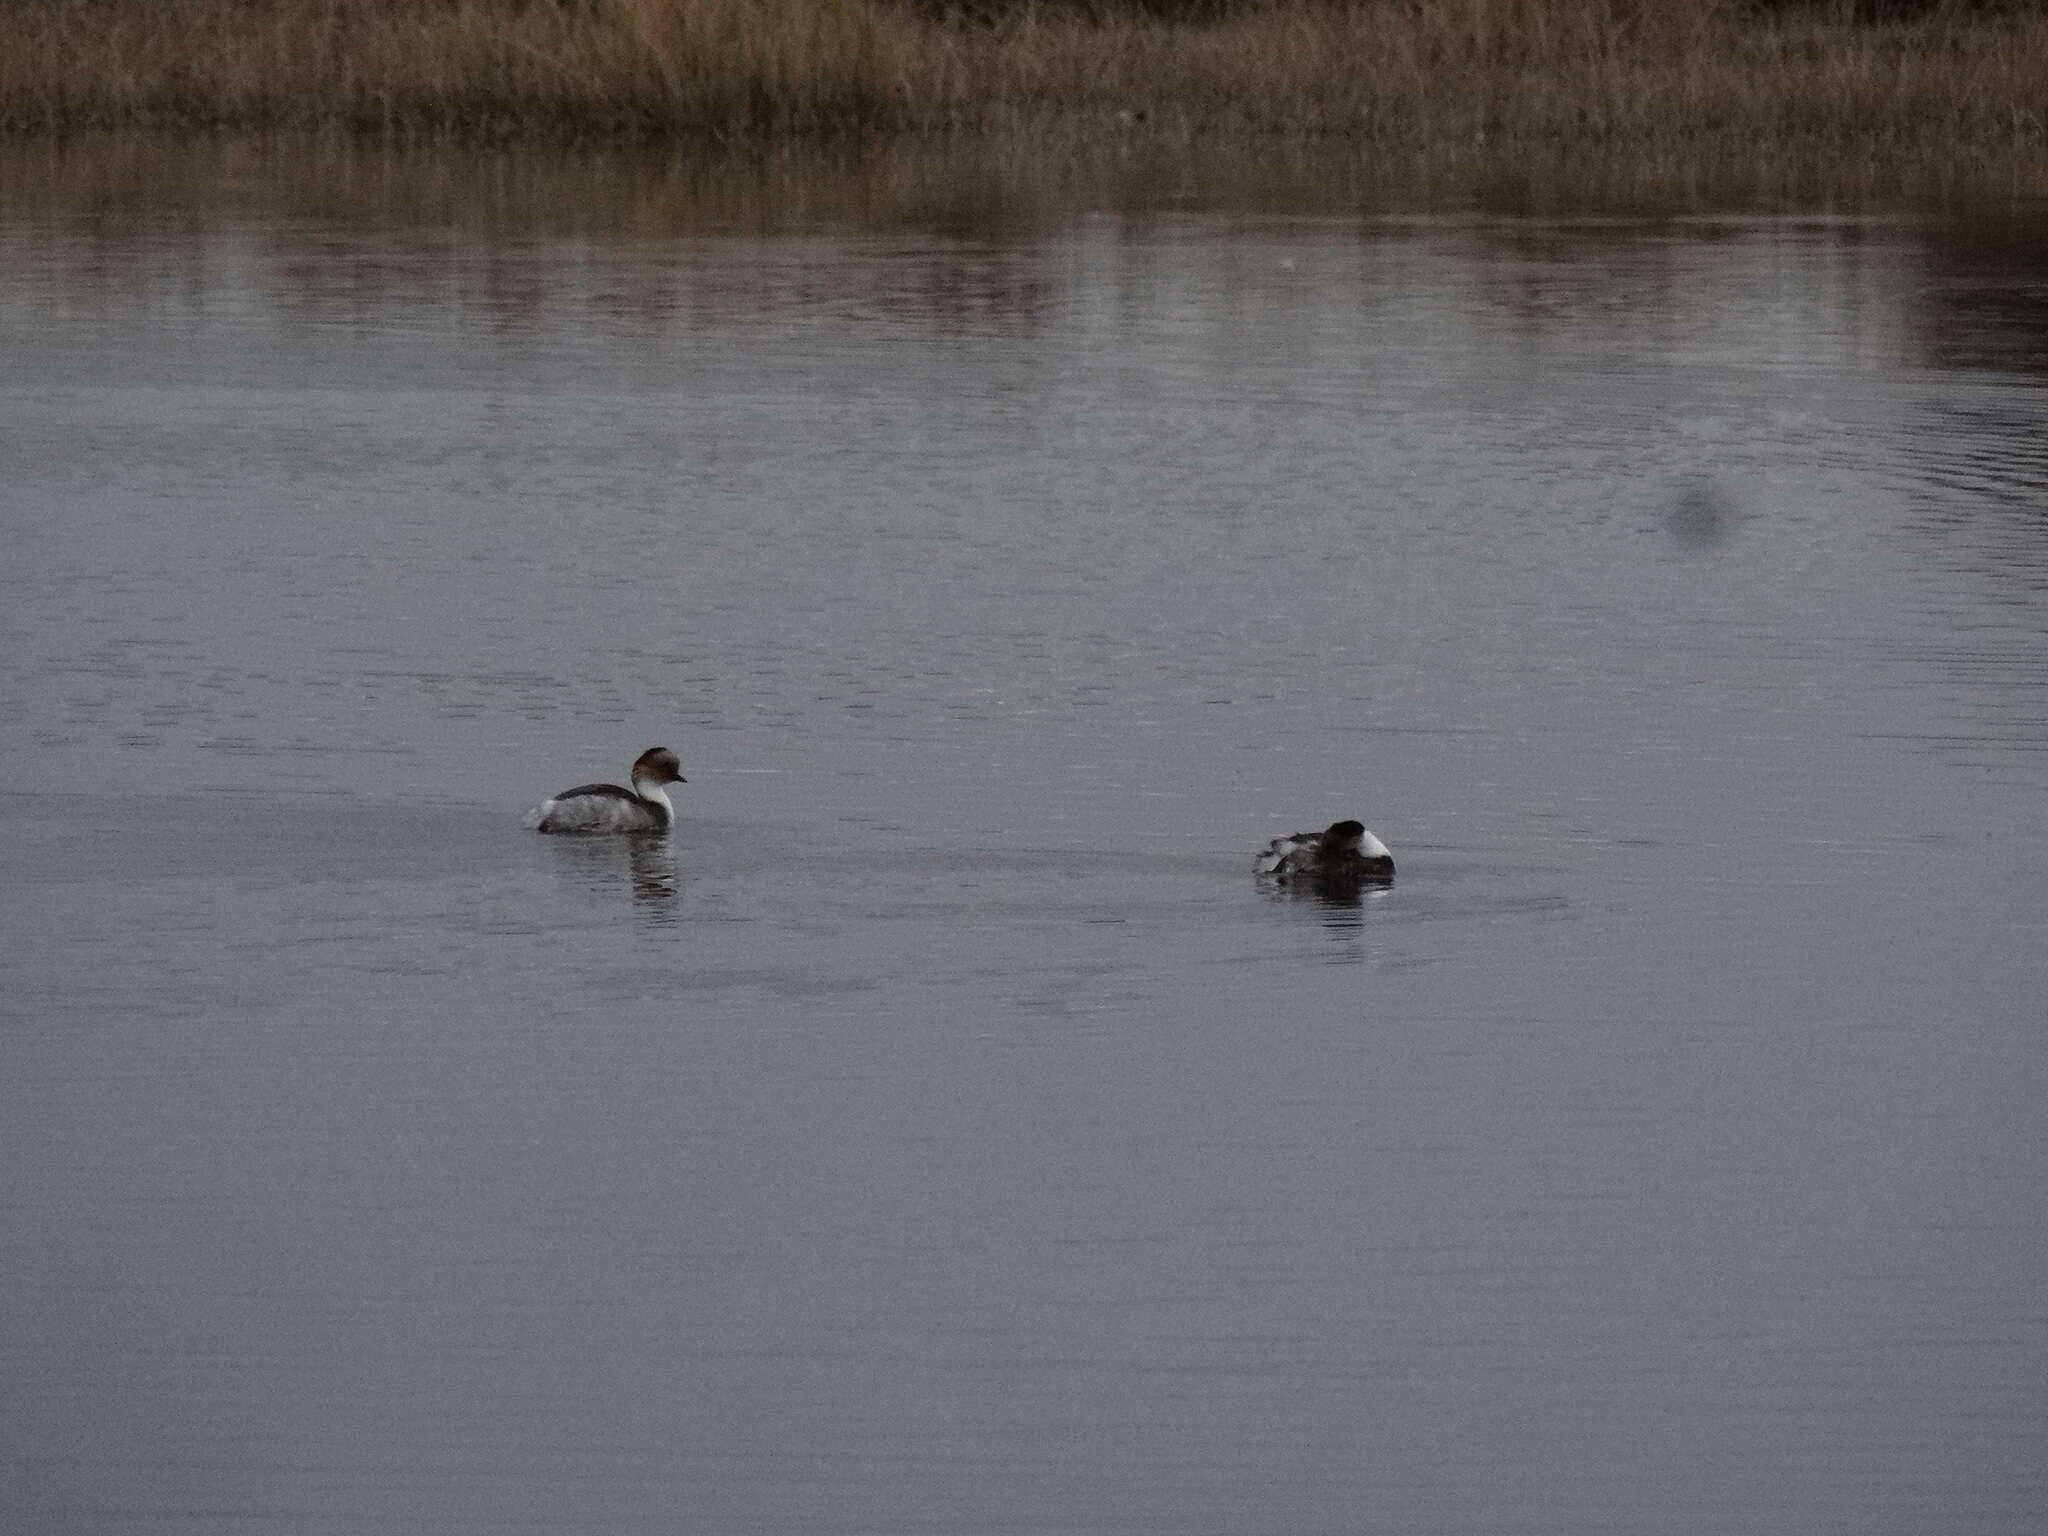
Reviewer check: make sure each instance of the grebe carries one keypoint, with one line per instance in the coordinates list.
(1344, 851)
(608, 808)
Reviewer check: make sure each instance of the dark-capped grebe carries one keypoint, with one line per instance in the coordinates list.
(597, 808)
(1346, 851)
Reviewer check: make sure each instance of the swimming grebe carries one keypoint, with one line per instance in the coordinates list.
(608, 808)
(1344, 851)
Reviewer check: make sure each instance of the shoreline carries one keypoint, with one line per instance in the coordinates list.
(1550, 75)
(686, 191)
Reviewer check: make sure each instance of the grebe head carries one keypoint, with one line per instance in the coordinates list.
(1344, 837)
(658, 765)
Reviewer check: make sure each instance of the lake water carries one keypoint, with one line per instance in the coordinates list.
(942, 1131)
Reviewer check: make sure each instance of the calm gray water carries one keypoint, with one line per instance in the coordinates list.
(943, 1132)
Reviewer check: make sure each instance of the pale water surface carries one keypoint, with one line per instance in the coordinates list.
(943, 1132)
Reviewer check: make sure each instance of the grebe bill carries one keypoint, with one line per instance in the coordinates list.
(601, 808)
(1344, 848)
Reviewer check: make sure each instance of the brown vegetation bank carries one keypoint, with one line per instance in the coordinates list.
(1713, 73)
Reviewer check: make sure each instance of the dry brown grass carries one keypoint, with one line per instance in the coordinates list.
(1617, 72)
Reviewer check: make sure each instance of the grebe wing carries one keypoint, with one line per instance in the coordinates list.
(612, 790)
(1279, 854)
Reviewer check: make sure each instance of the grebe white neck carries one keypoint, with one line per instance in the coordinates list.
(654, 794)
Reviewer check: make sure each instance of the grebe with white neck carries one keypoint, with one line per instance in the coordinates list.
(1343, 851)
(602, 808)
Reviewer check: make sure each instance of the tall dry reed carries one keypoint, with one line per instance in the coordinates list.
(1395, 71)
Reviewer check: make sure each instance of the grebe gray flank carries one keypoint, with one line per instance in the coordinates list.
(600, 808)
(1343, 851)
